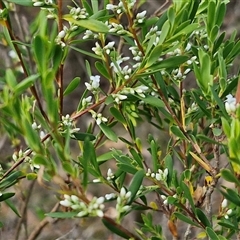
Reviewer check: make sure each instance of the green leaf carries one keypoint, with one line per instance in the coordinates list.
(12, 206)
(117, 115)
(221, 11)
(219, 103)
(137, 157)
(185, 219)
(39, 47)
(127, 168)
(39, 159)
(206, 139)
(229, 176)
(164, 32)
(102, 69)
(31, 176)
(211, 15)
(72, 86)
(232, 196)
(217, 132)
(10, 78)
(136, 184)
(61, 214)
(92, 55)
(80, 136)
(25, 84)
(171, 62)
(188, 29)
(94, 6)
(154, 155)
(27, 3)
(211, 234)
(187, 194)
(115, 228)
(104, 157)
(202, 217)
(154, 56)
(153, 101)
(108, 132)
(91, 24)
(5, 196)
(10, 180)
(177, 132)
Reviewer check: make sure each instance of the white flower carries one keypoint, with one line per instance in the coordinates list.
(162, 175)
(95, 81)
(122, 192)
(140, 90)
(148, 172)
(66, 203)
(119, 97)
(110, 174)
(97, 49)
(230, 104)
(110, 196)
(140, 16)
(108, 47)
(229, 212)
(62, 34)
(224, 203)
(38, 4)
(98, 117)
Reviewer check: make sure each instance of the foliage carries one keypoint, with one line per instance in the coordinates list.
(146, 64)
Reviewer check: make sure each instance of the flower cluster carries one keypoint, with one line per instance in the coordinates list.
(67, 123)
(153, 32)
(98, 117)
(27, 159)
(140, 90)
(160, 175)
(93, 208)
(117, 28)
(86, 101)
(89, 34)
(124, 72)
(94, 83)
(177, 74)
(120, 7)
(40, 3)
(79, 13)
(122, 201)
(140, 17)
(137, 56)
(230, 104)
(110, 174)
(98, 50)
(118, 97)
(225, 211)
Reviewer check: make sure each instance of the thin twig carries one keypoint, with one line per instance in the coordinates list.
(59, 75)
(23, 212)
(35, 233)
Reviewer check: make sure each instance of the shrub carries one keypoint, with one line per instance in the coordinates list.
(136, 82)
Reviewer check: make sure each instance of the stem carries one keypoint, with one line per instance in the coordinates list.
(23, 219)
(59, 75)
(32, 88)
(35, 233)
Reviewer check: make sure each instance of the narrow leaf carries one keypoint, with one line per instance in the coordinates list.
(185, 219)
(72, 86)
(91, 24)
(108, 132)
(61, 214)
(136, 184)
